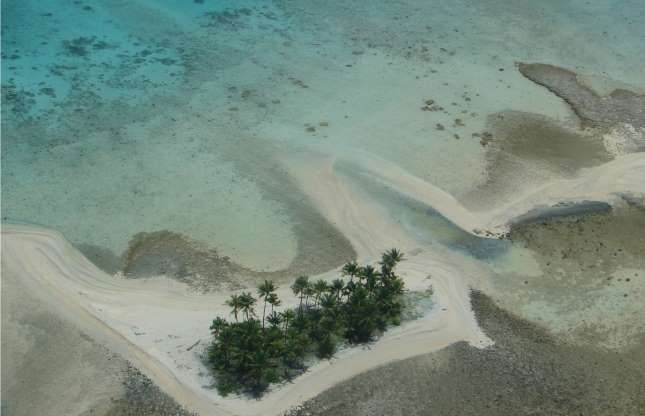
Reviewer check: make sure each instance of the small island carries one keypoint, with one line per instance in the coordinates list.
(249, 354)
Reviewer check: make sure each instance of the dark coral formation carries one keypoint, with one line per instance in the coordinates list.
(620, 106)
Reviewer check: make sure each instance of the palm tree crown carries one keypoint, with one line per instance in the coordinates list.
(247, 301)
(319, 288)
(235, 303)
(350, 269)
(299, 287)
(265, 290)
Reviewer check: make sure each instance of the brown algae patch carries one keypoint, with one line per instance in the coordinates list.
(526, 372)
(200, 266)
(528, 149)
(175, 255)
(535, 138)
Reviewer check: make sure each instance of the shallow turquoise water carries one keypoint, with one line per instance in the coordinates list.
(129, 116)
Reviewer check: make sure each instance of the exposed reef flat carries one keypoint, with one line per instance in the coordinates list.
(581, 276)
(618, 106)
(526, 372)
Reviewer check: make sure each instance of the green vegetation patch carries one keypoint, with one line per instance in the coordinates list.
(250, 354)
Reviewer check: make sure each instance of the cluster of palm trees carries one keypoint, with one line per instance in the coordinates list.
(248, 355)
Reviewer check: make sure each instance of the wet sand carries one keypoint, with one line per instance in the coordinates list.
(134, 318)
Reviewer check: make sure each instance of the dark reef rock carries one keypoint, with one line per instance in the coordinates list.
(620, 106)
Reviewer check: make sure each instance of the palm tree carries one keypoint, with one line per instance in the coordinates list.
(235, 302)
(273, 301)
(367, 272)
(246, 304)
(395, 255)
(299, 287)
(328, 301)
(319, 288)
(218, 325)
(350, 269)
(274, 319)
(264, 290)
(349, 288)
(397, 286)
(361, 317)
(288, 316)
(309, 291)
(337, 286)
(225, 340)
(370, 275)
(389, 260)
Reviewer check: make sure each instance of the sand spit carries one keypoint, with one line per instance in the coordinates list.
(603, 183)
(619, 106)
(153, 322)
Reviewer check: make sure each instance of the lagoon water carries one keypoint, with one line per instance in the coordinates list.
(122, 117)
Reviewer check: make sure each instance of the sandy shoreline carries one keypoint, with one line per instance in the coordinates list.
(153, 322)
(102, 306)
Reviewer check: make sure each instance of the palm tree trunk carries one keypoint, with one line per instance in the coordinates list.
(264, 311)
